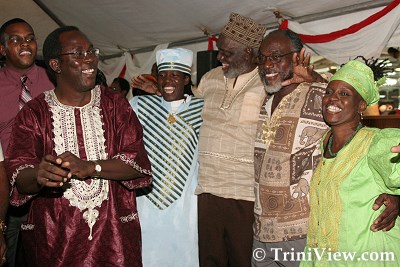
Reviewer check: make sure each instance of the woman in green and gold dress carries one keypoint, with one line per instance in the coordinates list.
(357, 166)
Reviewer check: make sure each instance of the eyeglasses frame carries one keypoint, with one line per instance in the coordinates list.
(83, 54)
(275, 61)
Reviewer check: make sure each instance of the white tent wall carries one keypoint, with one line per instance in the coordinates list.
(117, 26)
(368, 42)
(124, 27)
(32, 13)
(141, 63)
(395, 39)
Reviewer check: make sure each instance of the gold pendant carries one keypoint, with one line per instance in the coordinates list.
(171, 118)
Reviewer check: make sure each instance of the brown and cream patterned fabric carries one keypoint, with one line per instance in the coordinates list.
(286, 153)
(244, 30)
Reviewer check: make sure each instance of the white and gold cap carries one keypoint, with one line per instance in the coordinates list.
(179, 59)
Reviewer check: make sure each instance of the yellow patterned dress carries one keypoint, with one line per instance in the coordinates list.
(342, 193)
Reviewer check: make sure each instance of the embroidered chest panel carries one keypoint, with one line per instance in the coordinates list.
(73, 127)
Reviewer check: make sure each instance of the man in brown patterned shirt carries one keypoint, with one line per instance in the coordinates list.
(287, 150)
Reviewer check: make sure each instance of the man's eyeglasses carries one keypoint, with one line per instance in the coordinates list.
(82, 54)
(16, 39)
(274, 58)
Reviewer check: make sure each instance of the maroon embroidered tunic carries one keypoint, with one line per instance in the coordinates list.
(92, 223)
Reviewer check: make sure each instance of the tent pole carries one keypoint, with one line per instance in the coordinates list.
(49, 13)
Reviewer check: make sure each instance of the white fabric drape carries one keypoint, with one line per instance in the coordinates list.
(113, 67)
(368, 42)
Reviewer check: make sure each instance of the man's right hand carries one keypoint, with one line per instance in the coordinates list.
(50, 173)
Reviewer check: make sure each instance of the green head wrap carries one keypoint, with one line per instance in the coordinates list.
(361, 78)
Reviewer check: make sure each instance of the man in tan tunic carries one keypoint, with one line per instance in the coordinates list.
(232, 99)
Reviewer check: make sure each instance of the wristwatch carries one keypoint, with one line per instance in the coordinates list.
(97, 168)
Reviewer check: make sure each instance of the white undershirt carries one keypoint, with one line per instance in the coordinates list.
(175, 104)
(268, 106)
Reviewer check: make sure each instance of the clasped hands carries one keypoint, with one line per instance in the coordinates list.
(54, 171)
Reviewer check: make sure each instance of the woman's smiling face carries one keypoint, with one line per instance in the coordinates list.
(342, 104)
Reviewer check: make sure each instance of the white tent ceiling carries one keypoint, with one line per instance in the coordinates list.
(137, 27)
(123, 25)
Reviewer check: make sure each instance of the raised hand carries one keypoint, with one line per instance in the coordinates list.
(146, 84)
(302, 71)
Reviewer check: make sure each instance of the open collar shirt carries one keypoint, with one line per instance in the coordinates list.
(10, 90)
(226, 142)
(286, 153)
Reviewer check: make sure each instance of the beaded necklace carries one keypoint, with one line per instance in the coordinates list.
(329, 145)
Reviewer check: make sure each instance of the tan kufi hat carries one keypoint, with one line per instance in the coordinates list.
(244, 30)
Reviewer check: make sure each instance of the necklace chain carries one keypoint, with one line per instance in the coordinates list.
(330, 140)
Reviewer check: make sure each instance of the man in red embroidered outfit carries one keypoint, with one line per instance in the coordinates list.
(77, 153)
(18, 46)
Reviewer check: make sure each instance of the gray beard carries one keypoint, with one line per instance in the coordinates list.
(235, 72)
(272, 89)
